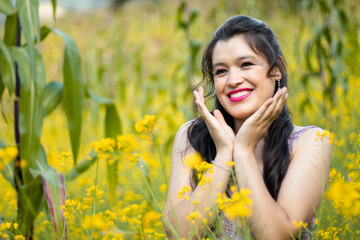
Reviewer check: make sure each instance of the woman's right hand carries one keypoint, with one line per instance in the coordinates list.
(221, 133)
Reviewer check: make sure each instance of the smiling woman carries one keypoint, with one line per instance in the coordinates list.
(280, 166)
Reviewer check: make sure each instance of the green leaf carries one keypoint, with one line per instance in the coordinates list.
(112, 178)
(6, 7)
(7, 68)
(2, 87)
(29, 21)
(180, 11)
(10, 34)
(112, 120)
(54, 190)
(82, 166)
(44, 32)
(73, 91)
(30, 196)
(31, 109)
(112, 129)
(52, 96)
(53, 2)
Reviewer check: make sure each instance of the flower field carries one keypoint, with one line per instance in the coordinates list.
(144, 58)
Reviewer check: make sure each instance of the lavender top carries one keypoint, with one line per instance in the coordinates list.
(228, 226)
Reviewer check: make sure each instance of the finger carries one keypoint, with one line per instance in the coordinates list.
(201, 91)
(219, 116)
(262, 110)
(275, 107)
(201, 107)
(274, 111)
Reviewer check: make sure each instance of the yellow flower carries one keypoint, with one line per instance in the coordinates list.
(7, 154)
(193, 160)
(97, 221)
(230, 163)
(203, 167)
(203, 181)
(19, 237)
(345, 197)
(146, 124)
(163, 188)
(126, 143)
(236, 207)
(194, 216)
(300, 224)
(184, 191)
(134, 158)
(324, 134)
(104, 145)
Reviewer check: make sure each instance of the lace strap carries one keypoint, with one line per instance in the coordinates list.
(296, 135)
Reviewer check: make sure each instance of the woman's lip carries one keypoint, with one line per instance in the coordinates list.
(237, 99)
(238, 90)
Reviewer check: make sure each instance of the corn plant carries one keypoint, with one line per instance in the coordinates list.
(22, 75)
(325, 49)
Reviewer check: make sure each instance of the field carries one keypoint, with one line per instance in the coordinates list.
(139, 57)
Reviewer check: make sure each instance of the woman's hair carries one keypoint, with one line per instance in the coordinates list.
(262, 41)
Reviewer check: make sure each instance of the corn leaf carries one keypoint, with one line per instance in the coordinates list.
(6, 7)
(54, 190)
(7, 68)
(53, 2)
(52, 96)
(31, 109)
(73, 91)
(30, 196)
(82, 166)
(112, 129)
(113, 126)
(2, 88)
(29, 21)
(10, 33)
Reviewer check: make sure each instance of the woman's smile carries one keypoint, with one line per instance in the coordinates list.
(241, 77)
(238, 95)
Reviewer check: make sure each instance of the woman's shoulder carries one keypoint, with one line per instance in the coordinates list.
(185, 126)
(181, 141)
(306, 137)
(298, 131)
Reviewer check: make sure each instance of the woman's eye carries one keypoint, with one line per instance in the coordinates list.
(219, 72)
(246, 64)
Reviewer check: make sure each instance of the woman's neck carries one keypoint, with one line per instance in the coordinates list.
(237, 124)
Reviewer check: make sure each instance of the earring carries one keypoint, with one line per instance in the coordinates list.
(278, 85)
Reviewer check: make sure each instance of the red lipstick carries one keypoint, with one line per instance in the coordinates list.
(240, 98)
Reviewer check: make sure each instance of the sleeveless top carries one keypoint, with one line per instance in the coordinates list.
(229, 228)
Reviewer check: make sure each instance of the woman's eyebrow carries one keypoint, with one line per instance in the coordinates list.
(239, 59)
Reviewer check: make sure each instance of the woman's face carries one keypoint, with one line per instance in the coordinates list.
(240, 77)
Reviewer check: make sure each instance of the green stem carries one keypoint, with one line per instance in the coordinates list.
(163, 168)
(94, 194)
(165, 219)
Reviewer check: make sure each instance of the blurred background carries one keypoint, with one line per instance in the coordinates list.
(145, 56)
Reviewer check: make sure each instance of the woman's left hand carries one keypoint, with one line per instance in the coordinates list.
(256, 126)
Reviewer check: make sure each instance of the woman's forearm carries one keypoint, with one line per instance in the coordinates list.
(268, 219)
(202, 201)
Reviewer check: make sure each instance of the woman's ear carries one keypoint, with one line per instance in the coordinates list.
(276, 73)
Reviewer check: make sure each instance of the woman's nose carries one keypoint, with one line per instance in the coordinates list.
(235, 78)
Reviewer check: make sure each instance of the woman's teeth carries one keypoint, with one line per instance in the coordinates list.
(239, 94)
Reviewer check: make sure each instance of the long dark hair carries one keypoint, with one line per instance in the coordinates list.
(262, 41)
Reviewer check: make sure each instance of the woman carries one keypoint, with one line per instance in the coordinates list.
(283, 165)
